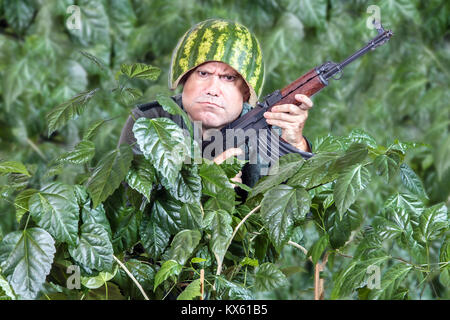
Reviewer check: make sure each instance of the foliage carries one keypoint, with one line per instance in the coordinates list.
(369, 197)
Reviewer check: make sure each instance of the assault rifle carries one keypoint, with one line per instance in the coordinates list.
(308, 84)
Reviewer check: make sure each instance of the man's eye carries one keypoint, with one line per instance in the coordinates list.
(229, 78)
(203, 73)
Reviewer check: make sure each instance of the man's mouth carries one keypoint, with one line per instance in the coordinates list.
(211, 104)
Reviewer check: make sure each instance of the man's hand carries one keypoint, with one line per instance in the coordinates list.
(291, 119)
(227, 154)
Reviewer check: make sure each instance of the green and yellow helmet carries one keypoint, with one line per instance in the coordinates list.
(223, 41)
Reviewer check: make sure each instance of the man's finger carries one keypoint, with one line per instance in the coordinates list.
(227, 154)
(306, 102)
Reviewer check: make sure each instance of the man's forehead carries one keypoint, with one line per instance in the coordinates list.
(218, 66)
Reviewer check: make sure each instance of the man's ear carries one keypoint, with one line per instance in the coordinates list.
(246, 93)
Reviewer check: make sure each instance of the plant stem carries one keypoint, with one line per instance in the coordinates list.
(131, 277)
(219, 266)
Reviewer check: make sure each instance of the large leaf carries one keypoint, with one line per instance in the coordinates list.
(154, 239)
(19, 14)
(191, 216)
(433, 222)
(13, 167)
(21, 203)
(390, 281)
(55, 209)
(411, 181)
(139, 71)
(269, 277)
(171, 107)
(169, 269)
(109, 173)
(187, 187)
(355, 154)
(141, 176)
(183, 245)
(166, 213)
(26, 258)
(353, 275)
(126, 233)
(221, 232)
(280, 208)
(311, 13)
(82, 153)
(318, 248)
(93, 248)
(386, 166)
(280, 172)
(62, 113)
(94, 24)
(192, 291)
(349, 184)
(163, 143)
(339, 230)
(315, 171)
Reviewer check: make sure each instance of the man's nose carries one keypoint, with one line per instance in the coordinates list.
(213, 86)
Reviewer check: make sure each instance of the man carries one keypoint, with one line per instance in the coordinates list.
(219, 63)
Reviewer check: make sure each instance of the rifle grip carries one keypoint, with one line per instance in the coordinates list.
(308, 84)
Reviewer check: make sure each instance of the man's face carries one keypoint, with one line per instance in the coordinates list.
(213, 94)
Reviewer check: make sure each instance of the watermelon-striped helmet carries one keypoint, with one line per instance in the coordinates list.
(223, 41)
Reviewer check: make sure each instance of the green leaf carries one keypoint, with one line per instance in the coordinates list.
(281, 207)
(386, 166)
(249, 262)
(166, 212)
(355, 154)
(197, 260)
(221, 232)
(55, 209)
(26, 258)
(6, 288)
(269, 277)
(353, 275)
(95, 25)
(62, 113)
(286, 166)
(126, 232)
(94, 59)
(163, 143)
(169, 268)
(339, 230)
(13, 167)
(191, 216)
(214, 180)
(315, 171)
(21, 203)
(139, 71)
(93, 248)
(98, 281)
(433, 222)
(110, 171)
(141, 176)
(82, 153)
(318, 248)
(411, 181)
(19, 14)
(92, 130)
(153, 238)
(183, 245)
(349, 184)
(390, 281)
(171, 107)
(142, 272)
(191, 291)
(232, 291)
(311, 13)
(187, 187)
